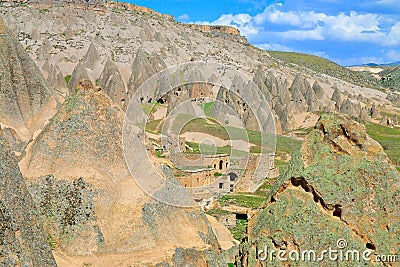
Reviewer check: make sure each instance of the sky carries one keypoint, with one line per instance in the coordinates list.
(348, 32)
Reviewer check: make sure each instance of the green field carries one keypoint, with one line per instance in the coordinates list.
(286, 146)
(389, 138)
(242, 200)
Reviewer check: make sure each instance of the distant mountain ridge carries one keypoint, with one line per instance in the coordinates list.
(393, 64)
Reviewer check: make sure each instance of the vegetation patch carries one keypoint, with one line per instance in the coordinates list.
(217, 213)
(322, 65)
(43, 11)
(240, 230)
(286, 146)
(242, 200)
(67, 78)
(388, 138)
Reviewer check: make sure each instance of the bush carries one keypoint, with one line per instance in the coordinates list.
(67, 78)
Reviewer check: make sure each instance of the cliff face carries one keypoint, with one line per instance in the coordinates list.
(215, 29)
(22, 239)
(342, 186)
(136, 8)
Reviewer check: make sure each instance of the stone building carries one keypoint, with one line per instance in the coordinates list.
(197, 177)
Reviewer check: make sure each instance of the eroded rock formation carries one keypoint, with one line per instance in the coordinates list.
(26, 99)
(22, 239)
(106, 213)
(342, 186)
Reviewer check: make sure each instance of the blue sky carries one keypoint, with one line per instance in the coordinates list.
(349, 32)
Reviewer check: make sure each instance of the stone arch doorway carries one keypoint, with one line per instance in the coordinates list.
(232, 176)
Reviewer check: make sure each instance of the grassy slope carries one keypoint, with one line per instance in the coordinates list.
(389, 138)
(325, 66)
(392, 77)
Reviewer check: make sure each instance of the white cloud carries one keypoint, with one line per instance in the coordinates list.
(393, 37)
(317, 26)
(274, 47)
(315, 34)
(273, 15)
(183, 18)
(353, 27)
(241, 21)
(393, 55)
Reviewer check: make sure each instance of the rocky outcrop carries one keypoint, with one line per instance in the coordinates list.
(386, 121)
(26, 99)
(136, 8)
(22, 239)
(112, 83)
(89, 62)
(337, 98)
(100, 205)
(313, 102)
(56, 79)
(393, 96)
(350, 108)
(96, 5)
(319, 92)
(215, 29)
(341, 187)
(395, 120)
(144, 66)
(79, 73)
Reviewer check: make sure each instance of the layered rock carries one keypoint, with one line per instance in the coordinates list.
(136, 8)
(215, 29)
(26, 99)
(342, 187)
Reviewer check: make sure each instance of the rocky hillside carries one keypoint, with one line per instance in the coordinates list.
(26, 99)
(94, 45)
(23, 242)
(327, 67)
(341, 187)
(68, 72)
(89, 203)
